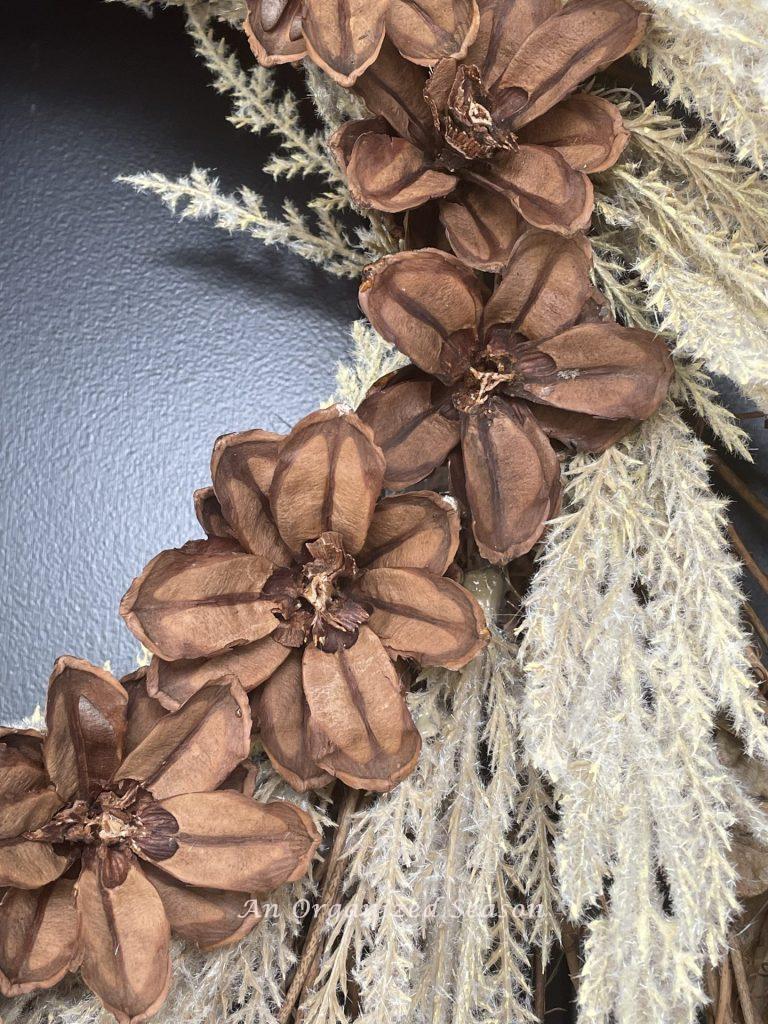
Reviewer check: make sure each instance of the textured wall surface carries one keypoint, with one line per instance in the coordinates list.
(128, 341)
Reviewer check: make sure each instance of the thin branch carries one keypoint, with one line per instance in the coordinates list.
(757, 624)
(724, 1002)
(301, 1013)
(742, 987)
(334, 874)
(759, 576)
(539, 990)
(734, 482)
(713, 991)
(569, 938)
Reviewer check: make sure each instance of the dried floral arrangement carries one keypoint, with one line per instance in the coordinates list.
(459, 703)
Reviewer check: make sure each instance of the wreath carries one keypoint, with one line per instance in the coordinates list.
(457, 710)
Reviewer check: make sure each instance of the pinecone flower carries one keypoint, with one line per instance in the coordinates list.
(344, 36)
(497, 375)
(496, 136)
(309, 586)
(113, 834)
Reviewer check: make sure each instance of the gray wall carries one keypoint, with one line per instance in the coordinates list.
(128, 341)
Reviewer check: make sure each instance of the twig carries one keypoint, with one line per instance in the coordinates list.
(760, 670)
(742, 986)
(713, 991)
(539, 991)
(569, 937)
(301, 1016)
(757, 624)
(753, 568)
(724, 1002)
(334, 874)
(739, 487)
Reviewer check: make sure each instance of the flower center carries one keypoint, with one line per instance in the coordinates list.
(508, 363)
(311, 601)
(489, 373)
(320, 591)
(111, 829)
(126, 817)
(488, 381)
(467, 124)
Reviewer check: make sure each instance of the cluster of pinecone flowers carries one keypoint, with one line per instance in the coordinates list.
(324, 576)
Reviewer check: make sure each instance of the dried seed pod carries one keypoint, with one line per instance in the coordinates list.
(96, 826)
(344, 36)
(538, 359)
(363, 585)
(496, 137)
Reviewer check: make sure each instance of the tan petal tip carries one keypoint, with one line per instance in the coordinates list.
(145, 1015)
(65, 661)
(314, 837)
(10, 989)
(154, 690)
(387, 783)
(338, 411)
(260, 52)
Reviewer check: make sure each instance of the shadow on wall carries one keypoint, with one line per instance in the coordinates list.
(129, 340)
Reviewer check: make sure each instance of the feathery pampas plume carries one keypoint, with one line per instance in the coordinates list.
(632, 647)
(320, 237)
(682, 243)
(711, 56)
(231, 11)
(448, 883)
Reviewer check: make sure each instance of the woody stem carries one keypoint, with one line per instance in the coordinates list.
(334, 874)
(754, 620)
(757, 573)
(739, 486)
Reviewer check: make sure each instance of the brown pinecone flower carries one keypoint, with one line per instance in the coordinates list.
(344, 36)
(309, 586)
(497, 375)
(497, 134)
(113, 834)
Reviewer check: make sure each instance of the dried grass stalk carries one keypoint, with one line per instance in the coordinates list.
(319, 234)
(710, 55)
(449, 880)
(681, 243)
(632, 646)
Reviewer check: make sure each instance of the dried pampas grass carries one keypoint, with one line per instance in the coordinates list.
(448, 885)
(320, 234)
(632, 648)
(711, 56)
(572, 787)
(681, 244)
